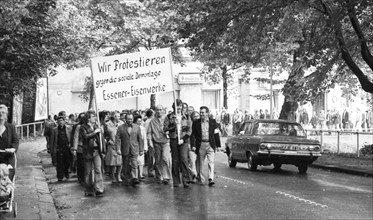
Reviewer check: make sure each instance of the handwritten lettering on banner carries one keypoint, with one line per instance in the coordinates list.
(131, 75)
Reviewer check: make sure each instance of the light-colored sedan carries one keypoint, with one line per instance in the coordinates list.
(277, 142)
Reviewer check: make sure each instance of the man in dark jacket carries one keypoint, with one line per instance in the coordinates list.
(60, 147)
(207, 141)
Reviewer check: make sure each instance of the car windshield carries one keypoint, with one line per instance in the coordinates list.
(279, 128)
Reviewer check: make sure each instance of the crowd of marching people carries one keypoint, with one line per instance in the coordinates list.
(172, 146)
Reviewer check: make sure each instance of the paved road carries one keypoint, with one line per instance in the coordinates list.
(238, 193)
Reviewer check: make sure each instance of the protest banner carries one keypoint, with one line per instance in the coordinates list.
(132, 75)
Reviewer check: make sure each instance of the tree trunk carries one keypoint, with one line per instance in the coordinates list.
(225, 86)
(292, 87)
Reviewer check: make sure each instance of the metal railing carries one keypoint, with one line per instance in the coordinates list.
(25, 131)
(361, 137)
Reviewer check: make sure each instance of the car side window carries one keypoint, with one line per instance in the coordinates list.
(248, 128)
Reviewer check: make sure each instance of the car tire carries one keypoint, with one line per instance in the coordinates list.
(250, 162)
(277, 166)
(302, 168)
(231, 162)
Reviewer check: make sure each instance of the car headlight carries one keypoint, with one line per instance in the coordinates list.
(264, 146)
(314, 148)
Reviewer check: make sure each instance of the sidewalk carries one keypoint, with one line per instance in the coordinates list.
(32, 194)
(352, 165)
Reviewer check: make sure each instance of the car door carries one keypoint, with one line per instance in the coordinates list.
(244, 140)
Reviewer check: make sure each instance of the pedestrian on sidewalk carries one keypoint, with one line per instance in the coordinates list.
(159, 141)
(8, 137)
(92, 154)
(61, 143)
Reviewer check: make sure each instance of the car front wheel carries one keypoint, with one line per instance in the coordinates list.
(250, 162)
(302, 168)
(277, 166)
(231, 162)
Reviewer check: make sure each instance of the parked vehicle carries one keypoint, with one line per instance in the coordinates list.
(277, 142)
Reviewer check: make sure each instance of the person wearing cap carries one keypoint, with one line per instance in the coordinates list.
(60, 147)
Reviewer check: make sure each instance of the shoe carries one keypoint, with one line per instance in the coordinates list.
(143, 177)
(114, 181)
(165, 181)
(150, 175)
(88, 194)
(59, 180)
(211, 182)
(67, 176)
(99, 194)
(136, 181)
(120, 180)
(186, 185)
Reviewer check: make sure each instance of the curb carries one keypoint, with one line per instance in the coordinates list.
(45, 200)
(367, 173)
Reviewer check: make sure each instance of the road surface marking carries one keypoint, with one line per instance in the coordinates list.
(343, 186)
(301, 199)
(227, 178)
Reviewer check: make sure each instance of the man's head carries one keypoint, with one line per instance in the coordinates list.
(61, 121)
(204, 112)
(158, 111)
(190, 110)
(178, 106)
(129, 118)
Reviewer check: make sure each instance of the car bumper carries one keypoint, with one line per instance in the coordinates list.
(291, 157)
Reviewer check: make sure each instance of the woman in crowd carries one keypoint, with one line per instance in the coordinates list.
(141, 159)
(113, 157)
(92, 151)
(8, 137)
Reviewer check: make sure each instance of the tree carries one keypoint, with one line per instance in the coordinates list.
(316, 35)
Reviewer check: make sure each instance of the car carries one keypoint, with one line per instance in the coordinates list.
(266, 142)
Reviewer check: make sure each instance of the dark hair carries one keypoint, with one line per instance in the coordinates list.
(87, 115)
(178, 103)
(136, 117)
(204, 107)
(81, 117)
(149, 113)
(71, 115)
(128, 114)
(61, 113)
(102, 114)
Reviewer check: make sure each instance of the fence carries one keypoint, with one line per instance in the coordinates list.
(337, 141)
(25, 131)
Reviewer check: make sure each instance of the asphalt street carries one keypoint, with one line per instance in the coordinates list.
(237, 194)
